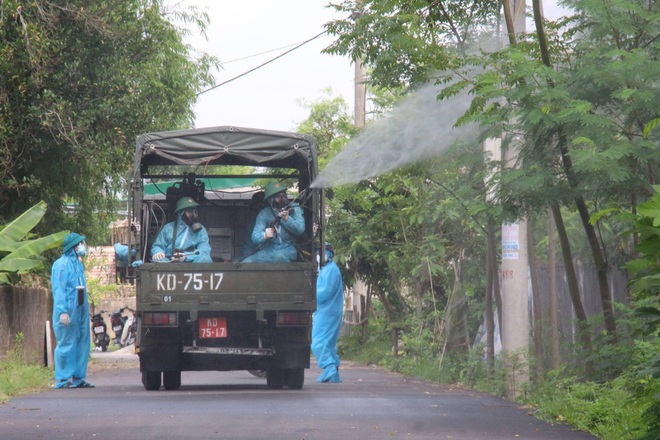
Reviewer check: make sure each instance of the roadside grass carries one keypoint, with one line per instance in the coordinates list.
(610, 410)
(18, 377)
(607, 410)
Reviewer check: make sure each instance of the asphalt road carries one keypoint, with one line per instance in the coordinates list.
(370, 404)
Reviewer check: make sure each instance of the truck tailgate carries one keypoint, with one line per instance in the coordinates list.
(229, 286)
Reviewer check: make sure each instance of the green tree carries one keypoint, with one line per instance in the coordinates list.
(329, 123)
(582, 127)
(80, 80)
(574, 98)
(407, 42)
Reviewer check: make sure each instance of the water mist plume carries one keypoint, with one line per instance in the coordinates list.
(420, 127)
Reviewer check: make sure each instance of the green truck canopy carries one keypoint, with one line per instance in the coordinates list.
(225, 145)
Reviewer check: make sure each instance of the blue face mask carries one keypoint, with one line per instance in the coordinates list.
(81, 250)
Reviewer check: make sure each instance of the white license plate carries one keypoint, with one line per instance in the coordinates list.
(116, 328)
(98, 330)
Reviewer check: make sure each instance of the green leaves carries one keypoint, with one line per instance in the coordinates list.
(19, 228)
(19, 255)
(79, 83)
(651, 208)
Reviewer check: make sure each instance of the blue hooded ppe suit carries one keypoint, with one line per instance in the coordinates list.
(73, 340)
(197, 243)
(327, 320)
(279, 249)
(121, 254)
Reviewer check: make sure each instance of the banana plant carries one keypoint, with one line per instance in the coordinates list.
(19, 252)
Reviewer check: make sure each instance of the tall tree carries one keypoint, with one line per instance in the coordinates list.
(579, 92)
(80, 80)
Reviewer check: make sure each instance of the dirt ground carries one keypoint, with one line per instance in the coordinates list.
(113, 360)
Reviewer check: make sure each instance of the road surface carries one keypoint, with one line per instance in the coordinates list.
(370, 404)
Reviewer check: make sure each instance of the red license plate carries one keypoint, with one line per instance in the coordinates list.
(211, 328)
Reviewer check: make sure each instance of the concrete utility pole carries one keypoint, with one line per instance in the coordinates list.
(359, 291)
(360, 95)
(515, 264)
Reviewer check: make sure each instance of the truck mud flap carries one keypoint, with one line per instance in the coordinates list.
(292, 355)
(159, 358)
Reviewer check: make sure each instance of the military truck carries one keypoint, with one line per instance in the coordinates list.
(227, 314)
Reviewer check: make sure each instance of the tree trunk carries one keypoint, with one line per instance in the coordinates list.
(508, 19)
(456, 315)
(537, 328)
(554, 304)
(491, 274)
(597, 253)
(601, 269)
(571, 279)
(367, 311)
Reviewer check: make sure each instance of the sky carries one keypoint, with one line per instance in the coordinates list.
(245, 34)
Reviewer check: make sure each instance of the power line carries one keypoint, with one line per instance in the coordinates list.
(261, 65)
(260, 53)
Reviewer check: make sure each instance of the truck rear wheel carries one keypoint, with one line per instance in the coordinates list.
(151, 380)
(275, 378)
(171, 380)
(295, 378)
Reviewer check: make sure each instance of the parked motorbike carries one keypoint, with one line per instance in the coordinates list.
(130, 330)
(117, 322)
(124, 328)
(100, 331)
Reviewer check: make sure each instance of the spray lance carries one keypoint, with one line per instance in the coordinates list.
(288, 209)
(180, 256)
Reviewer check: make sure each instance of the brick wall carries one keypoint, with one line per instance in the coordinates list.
(100, 264)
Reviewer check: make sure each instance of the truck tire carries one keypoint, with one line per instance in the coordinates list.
(171, 380)
(151, 380)
(295, 378)
(275, 378)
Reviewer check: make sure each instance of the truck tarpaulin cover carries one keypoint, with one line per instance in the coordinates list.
(225, 145)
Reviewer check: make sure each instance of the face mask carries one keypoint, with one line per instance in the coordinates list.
(280, 201)
(189, 217)
(81, 250)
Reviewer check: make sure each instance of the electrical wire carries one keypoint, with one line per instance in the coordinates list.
(262, 65)
(259, 54)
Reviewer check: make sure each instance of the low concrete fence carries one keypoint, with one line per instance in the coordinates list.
(24, 311)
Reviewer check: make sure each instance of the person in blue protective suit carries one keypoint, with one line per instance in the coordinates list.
(326, 322)
(191, 241)
(277, 228)
(122, 260)
(257, 203)
(70, 315)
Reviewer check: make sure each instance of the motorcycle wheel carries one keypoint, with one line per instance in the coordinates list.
(130, 340)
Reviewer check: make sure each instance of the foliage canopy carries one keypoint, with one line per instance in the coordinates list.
(80, 80)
